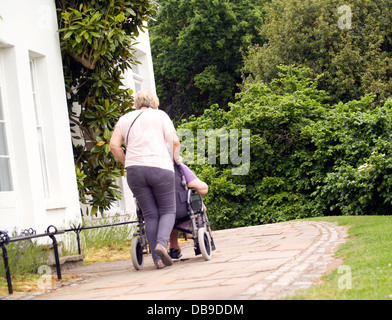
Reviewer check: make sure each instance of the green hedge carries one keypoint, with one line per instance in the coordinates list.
(308, 158)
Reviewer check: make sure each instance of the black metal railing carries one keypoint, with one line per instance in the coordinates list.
(50, 232)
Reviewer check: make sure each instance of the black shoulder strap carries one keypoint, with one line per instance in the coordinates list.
(126, 140)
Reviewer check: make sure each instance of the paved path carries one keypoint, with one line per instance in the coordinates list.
(261, 262)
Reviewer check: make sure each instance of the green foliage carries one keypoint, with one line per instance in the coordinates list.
(357, 140)
(24, 256)
(354, 61)
(274, 189)
(307, 157)
(197, 50)
(96, 42)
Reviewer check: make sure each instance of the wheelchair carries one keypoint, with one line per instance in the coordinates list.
(195, 224)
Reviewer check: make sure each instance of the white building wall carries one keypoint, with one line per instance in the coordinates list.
(28, 32)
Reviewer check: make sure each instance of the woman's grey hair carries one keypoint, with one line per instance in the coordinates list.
(147, 99)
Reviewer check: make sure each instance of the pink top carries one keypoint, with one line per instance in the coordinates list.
(147, 144)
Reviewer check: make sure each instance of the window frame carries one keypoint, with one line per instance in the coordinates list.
(4, 121)
(40, 129)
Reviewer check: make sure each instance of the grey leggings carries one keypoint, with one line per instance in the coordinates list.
(155, 193)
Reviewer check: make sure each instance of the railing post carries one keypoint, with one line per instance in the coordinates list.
(55, 249)
(4, 240)
(77, 229)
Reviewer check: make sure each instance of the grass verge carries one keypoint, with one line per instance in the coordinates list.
(109, 252)
(367, 268)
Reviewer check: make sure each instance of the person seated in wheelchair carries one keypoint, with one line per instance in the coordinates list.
(192, 182)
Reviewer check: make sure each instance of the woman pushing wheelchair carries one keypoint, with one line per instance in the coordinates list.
(147, 133)
(152, 146)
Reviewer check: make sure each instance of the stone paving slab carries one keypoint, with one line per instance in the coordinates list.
(260, 262)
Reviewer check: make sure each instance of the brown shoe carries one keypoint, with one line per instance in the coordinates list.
(162, 252)
(159, 264)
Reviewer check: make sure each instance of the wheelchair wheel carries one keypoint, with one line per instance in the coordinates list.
(137, 254)
(204, 244)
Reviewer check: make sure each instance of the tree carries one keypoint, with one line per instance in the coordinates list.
(349, 42)
(197, 50)
(96, 43)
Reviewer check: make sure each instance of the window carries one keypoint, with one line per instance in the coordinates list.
(137, 75)
(5, 167)
(40, 129)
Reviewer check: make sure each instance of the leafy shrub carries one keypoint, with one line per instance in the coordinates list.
(362, 190)
(276, 188)
(356, 139)
(308, 158)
